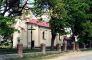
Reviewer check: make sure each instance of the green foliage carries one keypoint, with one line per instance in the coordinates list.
(80, 18)
(69, 13)
(5, 44)
(87, 29)
(57, 25)
(57, 12)
(77, 14)
(6, 28)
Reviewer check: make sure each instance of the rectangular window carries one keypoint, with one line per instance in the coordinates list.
(43, 35)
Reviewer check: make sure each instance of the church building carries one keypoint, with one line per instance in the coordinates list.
(32, 33)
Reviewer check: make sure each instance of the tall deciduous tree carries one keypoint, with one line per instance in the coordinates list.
(79, 13)
(57, 12)
(72, 13)
(76, 14)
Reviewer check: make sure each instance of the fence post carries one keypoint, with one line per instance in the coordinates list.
(43, 48)
(73, 46)
(58, 46)
(65, 45)
(20, 49)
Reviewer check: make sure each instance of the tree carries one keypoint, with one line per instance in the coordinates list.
(6, 28)
(9, 9)
(79, 13)
(57, 12)
(76, 14)
(87, 32)
(12, 7)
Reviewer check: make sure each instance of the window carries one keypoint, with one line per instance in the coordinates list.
(18, 39)
(43, 35)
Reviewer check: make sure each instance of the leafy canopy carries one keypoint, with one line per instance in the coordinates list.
(6, 28)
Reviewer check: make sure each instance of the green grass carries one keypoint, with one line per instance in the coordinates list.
(35, 57)
(13, 50)
(87, 49)
(39, 57)
(7, 50)
(46, 56)
(31, 50)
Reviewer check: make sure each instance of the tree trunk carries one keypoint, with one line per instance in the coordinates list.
(52, 41)
(11, 38)
(89, 44)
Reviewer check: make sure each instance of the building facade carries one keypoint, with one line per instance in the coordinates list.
(32, 33)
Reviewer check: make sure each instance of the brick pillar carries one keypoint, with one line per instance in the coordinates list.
(77, 47)
(58, 46)
(43, 48)
(20, 49)
(74, 46)
(65, 45)
(84, 45)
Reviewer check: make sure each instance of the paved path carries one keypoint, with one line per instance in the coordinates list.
(75, 56)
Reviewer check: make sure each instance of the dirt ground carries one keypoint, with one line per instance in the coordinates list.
(74, 56)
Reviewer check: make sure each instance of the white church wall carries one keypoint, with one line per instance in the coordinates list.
(48, 41)
(59, 39)
(35, 36)
(16, 35)
(23, 38)
(47, 36)
(41, 36)
(29, 36)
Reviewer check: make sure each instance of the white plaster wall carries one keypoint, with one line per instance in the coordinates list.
(35, 36)
(29, 36)
(57, 41)
(16, 33)
(41, 38)
(47, 35)
(48, 41)
(23, 38)
(15, 39)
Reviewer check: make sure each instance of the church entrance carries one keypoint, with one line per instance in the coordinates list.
(32, 44)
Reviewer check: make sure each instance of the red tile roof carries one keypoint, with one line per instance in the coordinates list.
(39, 23)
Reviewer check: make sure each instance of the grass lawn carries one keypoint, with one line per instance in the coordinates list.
(7, 50)
(87, 49)
(13, 50)
(39, 57)
(34, 57)
(45, 56)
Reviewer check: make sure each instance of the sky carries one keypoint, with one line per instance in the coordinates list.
(30, 1)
